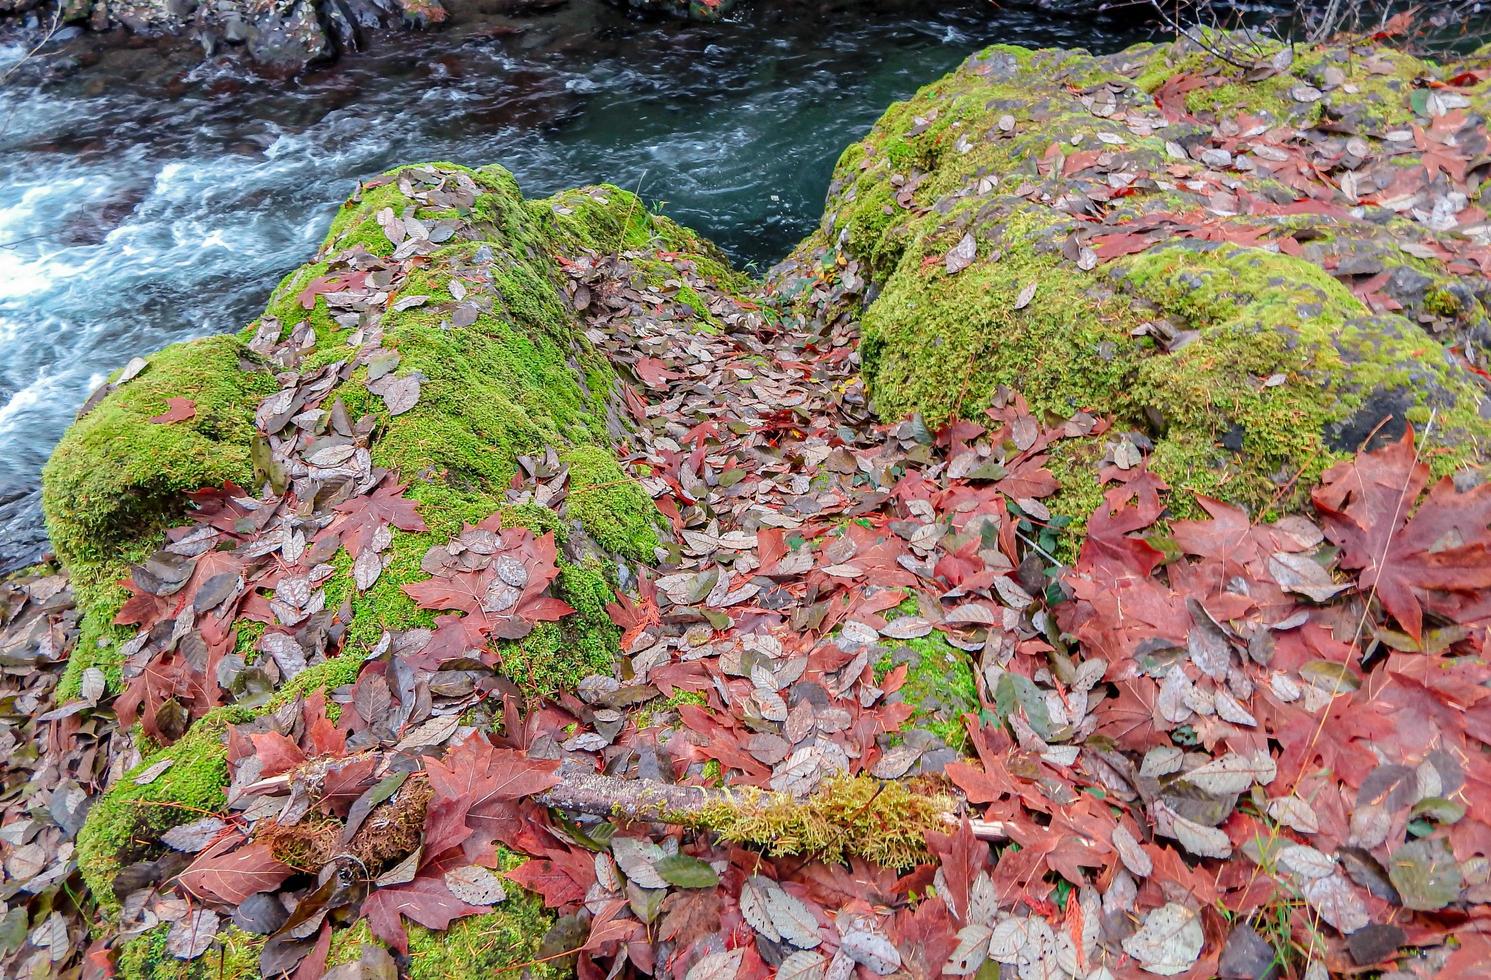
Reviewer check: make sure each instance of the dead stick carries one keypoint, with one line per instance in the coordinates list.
(581, 790)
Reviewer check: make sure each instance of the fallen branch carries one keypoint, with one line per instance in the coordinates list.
(702, 808)
(885, 822)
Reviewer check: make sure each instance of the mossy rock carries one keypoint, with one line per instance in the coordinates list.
(1281, 371)
(116, 475)
(126, 823)
(117, 480)
(521, 379)
(233, 955)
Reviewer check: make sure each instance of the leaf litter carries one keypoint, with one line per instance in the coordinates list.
(1283, 719)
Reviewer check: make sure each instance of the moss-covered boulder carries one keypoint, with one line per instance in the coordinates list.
(460, 285)
(1243, 267)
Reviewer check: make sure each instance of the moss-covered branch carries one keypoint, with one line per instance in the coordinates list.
(849, 816)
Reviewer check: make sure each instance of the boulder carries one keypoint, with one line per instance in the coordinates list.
(278, 37)
(1256, 271)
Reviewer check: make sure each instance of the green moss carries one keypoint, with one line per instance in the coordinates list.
(494, 944)
(1284, 372)
(613, 507)
(117, 480)
(882, 822)
(557, 656)
(128, 819)
(648, 714)
(1287, 361)
(116, 476)
(942, 345)
(607, 219)
(940, 685)
(233, 955)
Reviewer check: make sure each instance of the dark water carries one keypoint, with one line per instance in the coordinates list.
(141, 207)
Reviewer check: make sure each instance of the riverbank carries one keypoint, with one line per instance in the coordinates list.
(1072, 557)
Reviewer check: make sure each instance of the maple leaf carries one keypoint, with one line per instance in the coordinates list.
(278, 752)
(495, 608)
(963, 856)
(561, 878)
(473, 783)
(1403, 555)
(363, 516)
(977, 785)
(1131, 506)
(230, 873)
(463, 591)
(634, 617)
(653, 372)
(344, 783)
(426, 900)
(333, 283)
(177, 410)
(321, 734)
(926, 935)
(454, 637)
(169, 679)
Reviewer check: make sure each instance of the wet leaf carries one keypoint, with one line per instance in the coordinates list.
(178, 410)
(475, 885)
(961, 255)
(191, 935)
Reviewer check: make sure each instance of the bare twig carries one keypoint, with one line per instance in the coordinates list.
(1197, 38)
(52, 30)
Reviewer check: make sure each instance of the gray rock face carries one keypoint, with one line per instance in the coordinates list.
(281, 37)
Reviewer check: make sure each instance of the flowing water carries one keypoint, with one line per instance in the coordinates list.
(139, 207)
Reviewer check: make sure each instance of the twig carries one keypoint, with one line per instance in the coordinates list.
(1183, 32)
(56, 23)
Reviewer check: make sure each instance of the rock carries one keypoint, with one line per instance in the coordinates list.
(505, 370)
(1244, 316)
(278, 37)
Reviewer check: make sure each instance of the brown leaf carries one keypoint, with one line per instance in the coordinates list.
(230, 874)
(178, 410)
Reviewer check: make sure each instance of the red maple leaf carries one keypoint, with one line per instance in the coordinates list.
(177, 410)
(229, 873)
(562, 878)
(334, 283)
(634, 617)
(169, 677)
(471, 592)
(363, 516)
(1404, 555)
(473, 784)
(963, 857)
(454, 637)
(425, 900)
